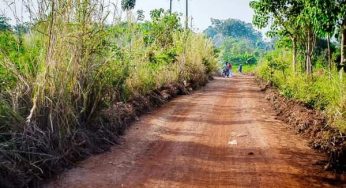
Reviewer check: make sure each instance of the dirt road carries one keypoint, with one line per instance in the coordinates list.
(225, 135)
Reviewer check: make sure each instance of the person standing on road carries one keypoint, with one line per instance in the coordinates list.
(240, 69)
(227, 69)
(230, 70)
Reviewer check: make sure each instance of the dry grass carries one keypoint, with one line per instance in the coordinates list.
(72, 67)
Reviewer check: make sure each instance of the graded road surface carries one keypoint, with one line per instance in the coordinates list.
(224, 135)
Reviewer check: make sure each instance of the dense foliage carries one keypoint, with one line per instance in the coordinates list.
(233, 28)
(239, 42)
(4, 25)
(304, 22)
(128, 4)
(58, 78)
(306, 61)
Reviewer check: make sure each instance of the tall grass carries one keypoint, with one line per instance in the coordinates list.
(56, 79)
(323, 90)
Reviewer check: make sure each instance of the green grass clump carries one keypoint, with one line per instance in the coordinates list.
(58, 78)
(322, 91)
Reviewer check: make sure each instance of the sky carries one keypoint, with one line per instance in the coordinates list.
(200, 10)
(203, 10)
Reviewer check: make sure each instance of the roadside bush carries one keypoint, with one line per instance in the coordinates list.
(196, 59)
(320, 91)
(56, 82)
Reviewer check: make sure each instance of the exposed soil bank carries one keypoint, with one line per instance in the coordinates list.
(310, 123)
(94, 138)
(224, 135)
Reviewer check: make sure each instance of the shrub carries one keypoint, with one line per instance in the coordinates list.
(59, 77)
(320, 91)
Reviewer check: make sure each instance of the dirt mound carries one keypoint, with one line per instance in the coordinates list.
(310, 123)
(122, 114)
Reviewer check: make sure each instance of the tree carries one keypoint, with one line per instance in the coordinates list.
(127, 5)
(324, 17)
(160, 30)
(341, 4)
(233, 28)
(281, 16)
(238, 41)
(240, 51)
(306, 21)
(4, 25)
(210, 32)
(140, 15)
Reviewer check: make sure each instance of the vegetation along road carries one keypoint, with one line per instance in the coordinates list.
(76, 77)
(225, 135)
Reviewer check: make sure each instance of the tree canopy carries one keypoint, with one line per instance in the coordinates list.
(233, 28)
(4, 25)
(238, 41)
(128, 4)
(303, 21)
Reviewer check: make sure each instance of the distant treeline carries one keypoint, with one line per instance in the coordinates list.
(238, 42)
